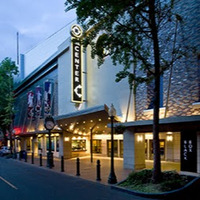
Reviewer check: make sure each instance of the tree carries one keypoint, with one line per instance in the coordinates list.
(7, 70)
(133, 33)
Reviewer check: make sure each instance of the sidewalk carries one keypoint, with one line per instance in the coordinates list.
(87, 169)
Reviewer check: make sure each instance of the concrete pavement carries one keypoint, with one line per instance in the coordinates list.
(88, 169)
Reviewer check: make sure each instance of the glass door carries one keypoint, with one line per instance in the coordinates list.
(109, 148)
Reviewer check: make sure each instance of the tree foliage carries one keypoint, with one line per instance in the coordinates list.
(133, 31)
(7, 70)
(124, 31)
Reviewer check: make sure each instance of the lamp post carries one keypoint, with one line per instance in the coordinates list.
(112, 177)
(49, 125)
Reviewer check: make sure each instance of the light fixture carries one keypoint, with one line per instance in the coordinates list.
(71, 127)
(139, 138)
(66, 139)
(169, 138)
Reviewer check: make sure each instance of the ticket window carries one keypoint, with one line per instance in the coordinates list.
(79, 145)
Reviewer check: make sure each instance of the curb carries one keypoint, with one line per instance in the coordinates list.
(189, 191)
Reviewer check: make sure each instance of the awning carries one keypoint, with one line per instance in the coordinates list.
(83, 121)
(166, 124)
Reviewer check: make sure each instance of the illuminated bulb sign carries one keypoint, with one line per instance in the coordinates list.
(77, 90)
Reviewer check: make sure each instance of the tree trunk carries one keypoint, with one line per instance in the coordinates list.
(156, 143)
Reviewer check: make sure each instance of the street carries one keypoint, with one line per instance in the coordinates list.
(22, 181)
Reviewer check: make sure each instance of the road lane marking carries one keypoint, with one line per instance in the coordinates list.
(10, 184)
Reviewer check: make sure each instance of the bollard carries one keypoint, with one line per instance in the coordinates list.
(32, 158)
(77, 167)
(25, 156)
(20, 155)
(98, 171)
(40, 159)
(62, 164)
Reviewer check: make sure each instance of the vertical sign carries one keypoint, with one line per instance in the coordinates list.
(77, 91)
(47, 98)
(188, 151)
(77, 73)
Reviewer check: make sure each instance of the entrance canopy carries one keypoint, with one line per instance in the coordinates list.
(83, 121)
(181, 123)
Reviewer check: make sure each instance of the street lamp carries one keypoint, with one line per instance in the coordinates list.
(49, 125)
(112, 177)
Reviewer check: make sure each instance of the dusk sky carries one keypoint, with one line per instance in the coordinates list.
(35, 20)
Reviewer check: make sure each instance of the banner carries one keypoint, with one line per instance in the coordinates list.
(30, 99)
(38, 103)
(47, 98)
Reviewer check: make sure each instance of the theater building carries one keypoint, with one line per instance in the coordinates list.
(57, 78)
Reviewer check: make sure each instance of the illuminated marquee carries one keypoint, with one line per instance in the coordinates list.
(77, 90)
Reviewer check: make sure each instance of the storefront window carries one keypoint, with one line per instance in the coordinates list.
(96, 146)
(52, 144)
(28, 145)
(79, 145)
(57, 143)
(39, 143)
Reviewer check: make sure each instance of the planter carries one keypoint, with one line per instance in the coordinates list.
(190, 191)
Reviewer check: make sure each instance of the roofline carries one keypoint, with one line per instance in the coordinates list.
(170, 120)
(44, 67)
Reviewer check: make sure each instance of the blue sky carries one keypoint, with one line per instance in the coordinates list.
(35, 20)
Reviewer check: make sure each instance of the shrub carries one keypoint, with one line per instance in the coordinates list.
(141, 177)
(142, 181)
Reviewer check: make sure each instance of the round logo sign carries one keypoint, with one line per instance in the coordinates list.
(76, 31)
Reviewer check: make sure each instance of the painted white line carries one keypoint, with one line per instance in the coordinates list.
(11, 185)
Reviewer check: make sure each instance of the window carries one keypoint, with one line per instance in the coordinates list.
(150, 92)
(28, 144)
(79, 145)
(57, 143)
(39, 143)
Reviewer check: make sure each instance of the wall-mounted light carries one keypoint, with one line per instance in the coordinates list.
(169, 137)
(71, 127)
(140, 138)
